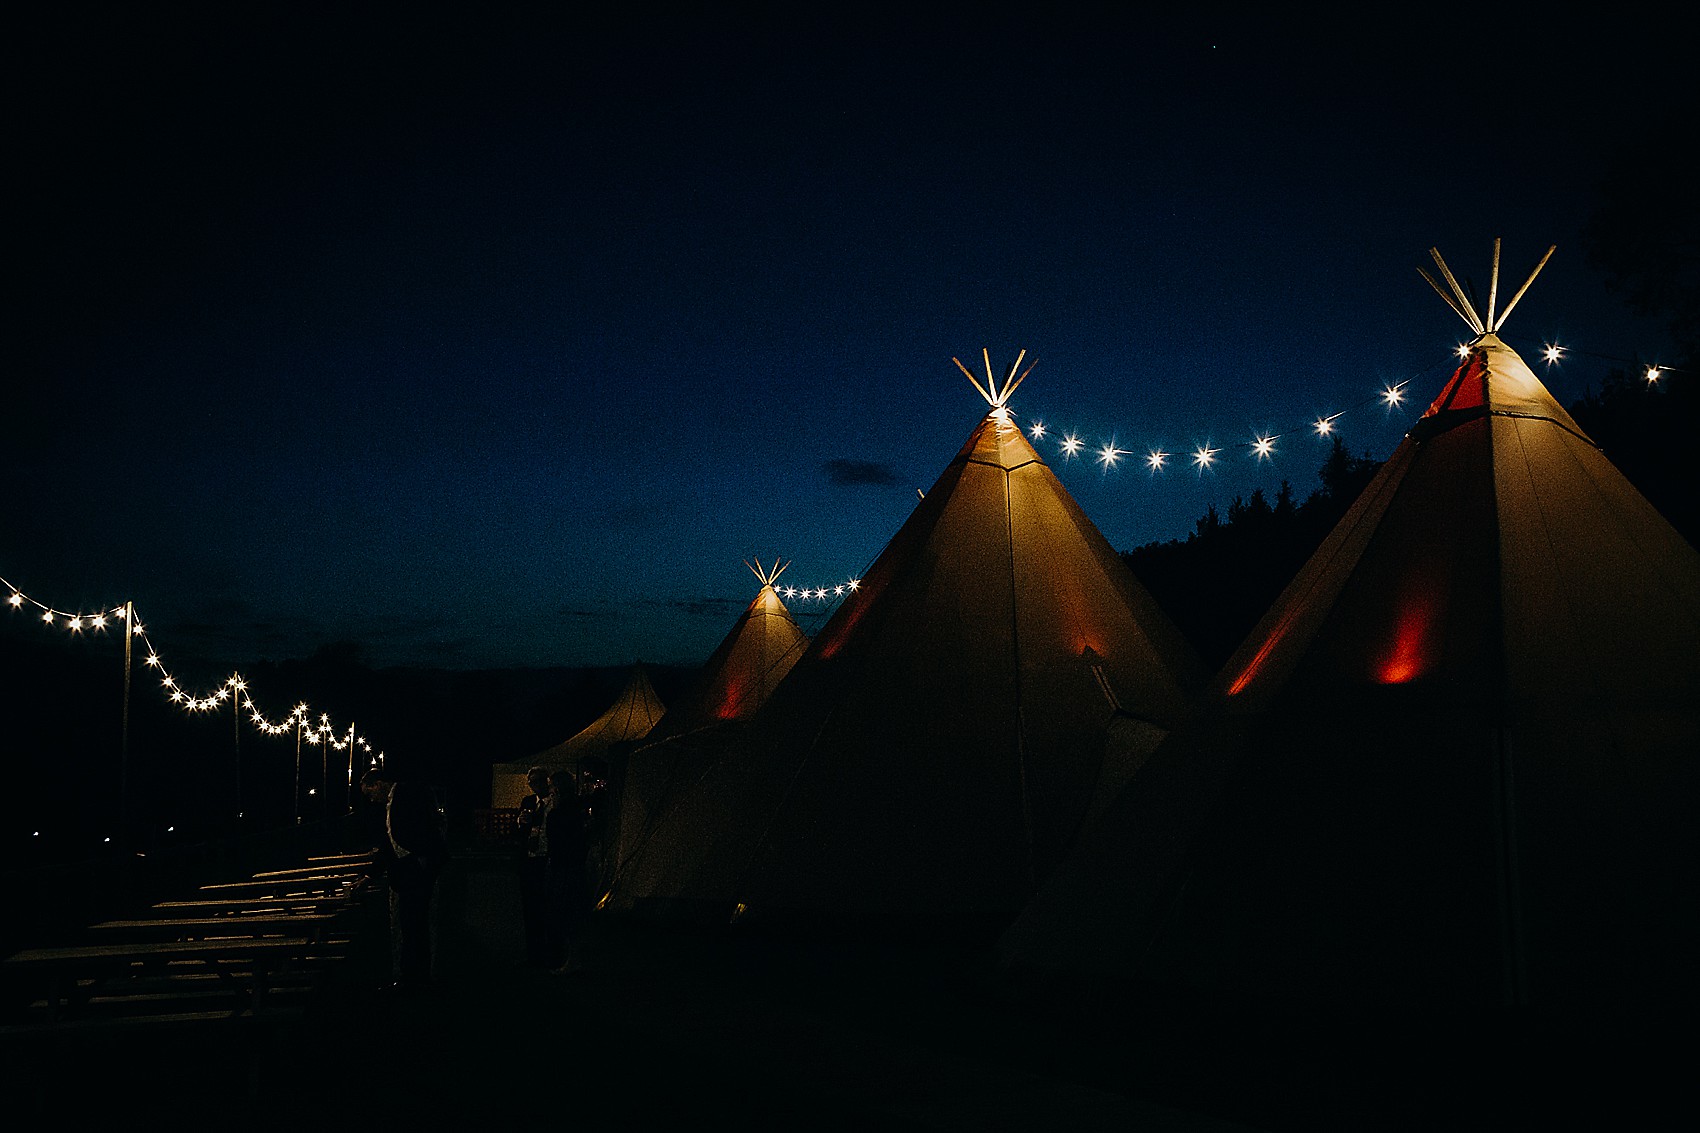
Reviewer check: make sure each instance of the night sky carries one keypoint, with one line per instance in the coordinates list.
(486, 343)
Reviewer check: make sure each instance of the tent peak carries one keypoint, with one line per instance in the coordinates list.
(997, 394)
(1461, 304)
(767, 574)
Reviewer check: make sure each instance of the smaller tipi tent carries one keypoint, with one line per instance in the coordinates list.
(737, 679)
(634, 712)
(749, 663)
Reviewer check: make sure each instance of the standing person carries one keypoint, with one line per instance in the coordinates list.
(534, 868)
(415, 848)
(568, 880)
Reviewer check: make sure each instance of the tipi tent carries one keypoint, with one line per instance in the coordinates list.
(744, 669)
(1456, 762)
(948, 731)
(737, 679)
(634, 712)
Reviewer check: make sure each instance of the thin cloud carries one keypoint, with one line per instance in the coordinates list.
(857, 473)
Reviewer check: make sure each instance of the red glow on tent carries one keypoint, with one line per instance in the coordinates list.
(843, 623)
(1412, 649)
(1256, 662)
(731, 700)
(1467, 388)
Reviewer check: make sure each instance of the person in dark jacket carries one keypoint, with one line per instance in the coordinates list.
(534, 869)
(414, 846)
(569, 879)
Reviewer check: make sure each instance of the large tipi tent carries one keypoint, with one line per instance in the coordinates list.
(1456, 762)
(634, 712)
(948, 731)
(737, 679)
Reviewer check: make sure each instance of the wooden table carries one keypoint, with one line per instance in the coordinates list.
(287, 886)
(239, 905)
(67, 979)
(365, 867)
(312, 926)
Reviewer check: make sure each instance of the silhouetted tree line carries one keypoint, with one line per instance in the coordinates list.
(1220, 579)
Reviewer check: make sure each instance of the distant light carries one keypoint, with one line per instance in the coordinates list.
(16, 600)
(1108, 454)
(1038, 430)
(1156, 460)
(1552, 353)
(1654, 374)
(47, 616)
(108, 838)
(1071, 445)
(76, 625)
(838, 591)
(1393, 395)
(1264, 447)
(1204, 456)
(1463, 350)
(854, 584)
(1324, 426)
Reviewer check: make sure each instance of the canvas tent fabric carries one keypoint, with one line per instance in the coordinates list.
(948, 730)
(737, 679)
(744, 668)
(1456, 762)
(630, 717)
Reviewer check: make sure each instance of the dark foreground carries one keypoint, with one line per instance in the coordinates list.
(663, 1029)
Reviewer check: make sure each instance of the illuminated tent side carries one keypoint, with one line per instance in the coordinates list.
(737, 679)
(1455, 763)
(949, 729)
(747, 665)
(631, 717)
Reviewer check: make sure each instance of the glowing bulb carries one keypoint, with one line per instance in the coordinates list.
(47, 616)
(1264, 447)
(1463, 350)
(1324, 426)
(1071, 445)
(1653, 376)
(1552, 353)
(838, 591)
(1204, 456)
(1393, 395)
(16, 600)
(98, 621)
(1108, 454)
(76, 625)
(854, 584)
(1038, 430)
(1156, 460)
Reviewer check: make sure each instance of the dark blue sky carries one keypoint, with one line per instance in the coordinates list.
(494, 343)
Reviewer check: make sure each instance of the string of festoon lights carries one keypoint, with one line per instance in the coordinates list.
(1108, 455)
(299, 720)
(1262, 446)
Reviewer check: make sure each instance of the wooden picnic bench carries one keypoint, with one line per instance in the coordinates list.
(314, 926)
(288, 886)
(230, 976)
